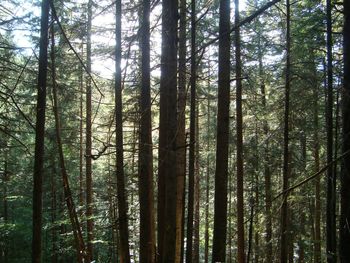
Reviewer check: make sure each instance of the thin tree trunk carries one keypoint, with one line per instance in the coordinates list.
(6, 180)
(207, 186)
(80, 246)
(250, 231)
(147, 234)
(54, 254)
(40, 135)
(196, 223)
(88, 141)
(331, 180)
(257, 197)
(81, 150)
(284, 209)
(230, 212)
(239, 130)
(267, 173)
(122, 203)
(181, 137)
(317, 240)
(345, 165)
(220, 201)
(191, 170)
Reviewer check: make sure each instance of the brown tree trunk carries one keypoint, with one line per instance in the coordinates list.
(316, 152)
(181, 137)
(122, 203)
(344, 250)
(331, 179)
(167, 135)
(147, 234)
(239, 131)
(267, 172)
(40, 135)
(6, 179)
(81, 150)
(54, 253)
(196, 222)
(88, 142)
(220, 201)
(191, 170)
(284, 209)
(207, 186)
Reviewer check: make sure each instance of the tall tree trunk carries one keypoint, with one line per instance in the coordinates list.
(239, 131)
(196, 222)
(77, 233)
(40, 135)
(207, 188)
(122, 203)
(267, 172)
(284, 209)
(331, 179)
(6, 179)
(191, 163)
(181, 137)
(54, 254)
(316, 152)
(147, 234)
(88, 140)
(220, 202)
(81, 150)
(345, 166)
(167, 135)
(256, 179)
(250, 230)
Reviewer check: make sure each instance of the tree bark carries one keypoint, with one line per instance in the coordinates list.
(207, 179)
(146, 196)
(167, 135)
(331, 179)
(122, 203)
(81, 150)
(316, 152)
(196, 223)
(191, 163)
(88, 139)
(181, 137)
(267, 172)
(220, 201)
(344, 250)
(284, 209)
(6, 179)
(239, 134)
(40, 135)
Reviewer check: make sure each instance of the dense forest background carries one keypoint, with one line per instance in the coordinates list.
(166, 131)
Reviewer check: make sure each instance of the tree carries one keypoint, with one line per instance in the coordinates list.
(147, 234)
(286, 153)
(239, 131)
(344, 253)
(88, 137)
(192, 157)
(167, 135)
(220, 203)
(181, 137)
(40, 135)
(122, 203)
(331, 179)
